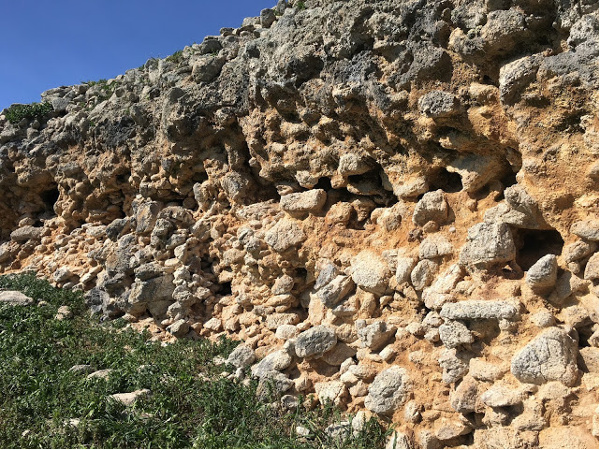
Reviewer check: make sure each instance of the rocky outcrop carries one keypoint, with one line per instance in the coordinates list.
(394, 205)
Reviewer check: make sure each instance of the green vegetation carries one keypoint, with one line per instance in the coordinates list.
(176, 57)
(16, 113)
(105, 90)
(300, 5)
(44, 404)
(90, 83)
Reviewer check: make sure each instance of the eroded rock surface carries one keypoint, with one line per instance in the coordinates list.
(364, 193)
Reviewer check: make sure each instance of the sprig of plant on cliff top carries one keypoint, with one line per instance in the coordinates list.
(16, 113)
(300, 5)
(176, 57)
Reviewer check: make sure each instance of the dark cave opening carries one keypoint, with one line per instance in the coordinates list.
(225, 288)
(533, 244)
(448, 182)
(50, 197)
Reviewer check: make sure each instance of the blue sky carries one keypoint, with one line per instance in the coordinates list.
(50, 43)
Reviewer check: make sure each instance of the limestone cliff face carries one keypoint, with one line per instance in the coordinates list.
(395, 202)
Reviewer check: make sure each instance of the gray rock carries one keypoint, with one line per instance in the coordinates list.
(370, 272)
(331, 391)
(62, 274)
(332, 293)
(154, 294)
(501, 395)
(423, 274)
(448, 429)
(480, 310)
(102, 374)
(116, 227)
(464, 398)
(354, 164)
(485, 371)
(578, 250)
(179, 328)
(586, 229)
(129, 398)
(454, 365)
(304, 202)
(267, 17)
(273, 381)
(376, 335)
(439, 104)
(274, 362)
(543, 319)
(435, 246)
(315, 341)
(517, 75)
(454, 334)
(283, 285)
(404, 267)
(591, 268)
(64, 312)
(81, 368)
(148, 271)
(242, 357)
(585, 29)
(209, 46)
(236, 185)
(207, 68)
(60, 104)
(145, 216)
(583, 61)
(26, 233)
(285, 234)
(469, 15)
(15, 298)
(550, 356)
(566, 284)
(503, 30)
(432, 206)
(388, 391)
(488, 244)
(541, 277)
(327, 271)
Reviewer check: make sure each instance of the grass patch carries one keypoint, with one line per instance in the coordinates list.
(16, 113)
(44, 404)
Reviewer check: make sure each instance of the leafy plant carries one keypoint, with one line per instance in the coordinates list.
(16, 113)
(300, 5)
(46, 404)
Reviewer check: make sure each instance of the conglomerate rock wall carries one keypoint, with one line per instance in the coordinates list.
(393, 204)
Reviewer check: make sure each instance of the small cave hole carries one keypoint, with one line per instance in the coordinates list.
(199, 177)
(509, 180)
(323, 183)
(533, 244)
(446, 181)
(487, 80)
(225, 288)
(50, 197)
(123, 178)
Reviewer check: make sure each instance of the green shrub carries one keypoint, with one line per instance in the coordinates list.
(176, 57)
(46, 405)
(300, 5)
(16, 113)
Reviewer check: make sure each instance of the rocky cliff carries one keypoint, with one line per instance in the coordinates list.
(393, 204)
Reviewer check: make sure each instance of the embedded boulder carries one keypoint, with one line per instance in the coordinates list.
(550, 356)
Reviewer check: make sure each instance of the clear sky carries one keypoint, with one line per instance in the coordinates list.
(51, 43)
